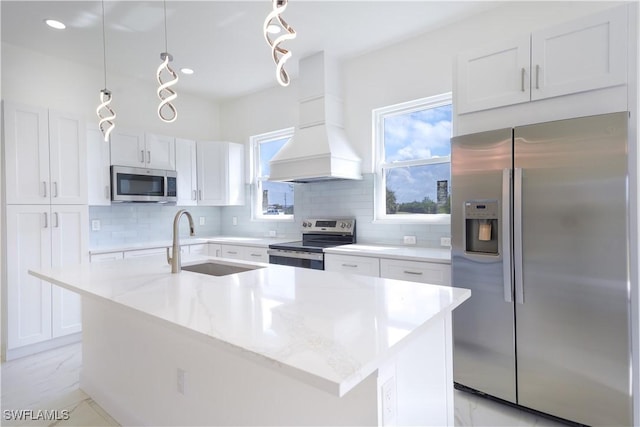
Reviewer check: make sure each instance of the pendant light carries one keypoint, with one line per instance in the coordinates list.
(276, 50)
(105, 113)
(166, 110)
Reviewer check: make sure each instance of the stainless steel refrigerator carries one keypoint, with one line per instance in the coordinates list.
(540, 235)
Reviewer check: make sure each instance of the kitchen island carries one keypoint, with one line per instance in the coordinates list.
(273, 345)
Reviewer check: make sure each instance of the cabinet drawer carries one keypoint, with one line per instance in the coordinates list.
(232, 251)
(201, 249)
(257, 254)
(106, 257)
(415, 271)
(144, 252)
(366, 266)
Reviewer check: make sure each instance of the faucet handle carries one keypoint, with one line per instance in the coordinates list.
(169, 259)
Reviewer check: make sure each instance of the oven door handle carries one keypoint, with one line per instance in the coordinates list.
(296, 254)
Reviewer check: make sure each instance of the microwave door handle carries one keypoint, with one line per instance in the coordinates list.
(507, 255)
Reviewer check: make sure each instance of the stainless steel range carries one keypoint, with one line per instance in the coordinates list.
(317, 234)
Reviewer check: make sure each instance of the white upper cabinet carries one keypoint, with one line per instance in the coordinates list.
(98, 163)
(45, 156)
(494, 75)
(186, 168)
(143, 150)
(580, 55)
(220, 173)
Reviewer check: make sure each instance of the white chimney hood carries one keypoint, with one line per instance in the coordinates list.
(319, 149)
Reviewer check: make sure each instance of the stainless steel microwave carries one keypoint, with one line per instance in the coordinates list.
(143, 185)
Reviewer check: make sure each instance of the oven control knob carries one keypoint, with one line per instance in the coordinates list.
(349, 225)
(304, 224)
(343, 225)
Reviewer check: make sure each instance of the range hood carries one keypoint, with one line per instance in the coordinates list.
(319, 149)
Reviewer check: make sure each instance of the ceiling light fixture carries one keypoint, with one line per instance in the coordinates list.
(105, 113)
(187, 71)
(166, 111)
(278, 8)
(55, 24)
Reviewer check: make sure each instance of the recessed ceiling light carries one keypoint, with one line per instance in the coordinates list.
(273, 29)
(186, 70)
(55, 24)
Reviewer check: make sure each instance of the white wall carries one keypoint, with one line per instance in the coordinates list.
(35, 79)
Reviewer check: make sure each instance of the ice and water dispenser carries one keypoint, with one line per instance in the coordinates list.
(481, 226)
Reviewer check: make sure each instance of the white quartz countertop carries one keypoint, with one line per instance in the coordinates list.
(229, 240)
(394, 252)
(327, 329)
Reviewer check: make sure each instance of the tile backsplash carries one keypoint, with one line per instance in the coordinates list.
(124, 224)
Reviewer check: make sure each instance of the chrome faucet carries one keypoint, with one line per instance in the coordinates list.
(175, 261)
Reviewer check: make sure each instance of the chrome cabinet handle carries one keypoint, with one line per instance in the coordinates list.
(194, 196)
(55, 189)
(55, 215)
(46, 220)
(507, 275)
(141, 156)
(148, 156)
(200, 194)
(415, 273)
(256, 255)
(522, 78)
(517, 235)
(44, 186)
(350, 265)
(537, 76)
(232, 252)
(106, 192)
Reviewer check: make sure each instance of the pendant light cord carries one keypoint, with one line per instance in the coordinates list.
(166, 49)
(104, 47)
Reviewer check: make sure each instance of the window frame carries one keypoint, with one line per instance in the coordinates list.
(380, 166)
(256, 179)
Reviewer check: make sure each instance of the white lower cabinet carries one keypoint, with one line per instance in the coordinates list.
(416, 271)
(111, 256)
(215, 249)
(245, 253)
(43, 236)
(144, 252)
(368, 266)
(200, 249)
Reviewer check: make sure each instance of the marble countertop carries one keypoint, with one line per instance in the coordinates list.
(230, 240)
(327, 329)
(409, 253)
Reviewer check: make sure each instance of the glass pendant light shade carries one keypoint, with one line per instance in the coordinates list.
(105, 114)
(166, 111)
(280, 54)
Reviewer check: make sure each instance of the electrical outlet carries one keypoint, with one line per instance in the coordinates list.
(202, 220)
(272, 233)
(181, 381)
(234, 220)
(95, 225)
(409, 240)
(389, 403)
(445, 241)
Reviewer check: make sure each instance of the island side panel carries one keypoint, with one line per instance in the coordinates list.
(130, 368)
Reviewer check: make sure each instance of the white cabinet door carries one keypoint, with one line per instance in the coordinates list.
(28, 298)
(584, 54)
(67, 159)
(160, 152)
(367, 266)
(98, 163)
(26, 139)
(220, 173)
(200, 249)
(69, 243)
(127, 148)
(414, 271)
(186, 168)
(493, 76)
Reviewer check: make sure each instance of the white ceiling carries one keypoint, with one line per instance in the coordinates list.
(221, 40)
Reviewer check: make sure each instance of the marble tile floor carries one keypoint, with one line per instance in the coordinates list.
(50, 381)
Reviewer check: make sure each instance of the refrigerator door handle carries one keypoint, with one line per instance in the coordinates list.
(506, 235)
(517, 235)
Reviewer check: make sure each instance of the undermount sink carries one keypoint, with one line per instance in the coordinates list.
(218, 269)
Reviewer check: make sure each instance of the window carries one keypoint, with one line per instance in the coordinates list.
(413, 160)
(271, 200)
